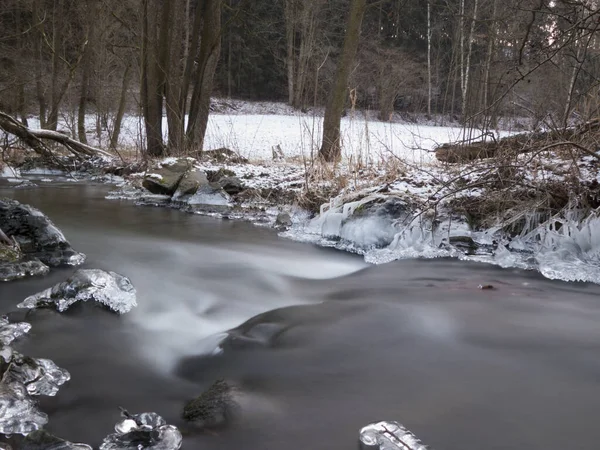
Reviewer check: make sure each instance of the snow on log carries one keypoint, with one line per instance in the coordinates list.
(33, 138)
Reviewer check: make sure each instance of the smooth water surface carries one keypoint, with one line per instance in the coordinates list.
(517, 367)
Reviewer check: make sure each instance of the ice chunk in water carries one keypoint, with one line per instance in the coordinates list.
(388, 436)
(18, 412)
(40, 376)
(147, 431)
(11, 331)
(109, 288)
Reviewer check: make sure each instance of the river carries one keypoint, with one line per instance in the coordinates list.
(516, 367)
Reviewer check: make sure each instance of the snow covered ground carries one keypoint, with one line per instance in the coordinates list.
(253, 129)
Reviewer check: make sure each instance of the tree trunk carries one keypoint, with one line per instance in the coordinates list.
(151, 96)
(114, 138)
(210, 48)
(290, 34)
(429, 57)
(330, 147)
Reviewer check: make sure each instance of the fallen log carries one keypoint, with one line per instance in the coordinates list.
(578, 137)
(35, 139)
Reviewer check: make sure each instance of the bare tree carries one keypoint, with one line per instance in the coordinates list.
(331, 146)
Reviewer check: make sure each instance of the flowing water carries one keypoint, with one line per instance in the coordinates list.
(416, 341)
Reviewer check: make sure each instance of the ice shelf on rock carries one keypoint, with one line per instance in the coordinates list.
(388, 436)
(147, 431)
(108, 288)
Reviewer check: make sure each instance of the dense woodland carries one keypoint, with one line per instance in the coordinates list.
(475, 60)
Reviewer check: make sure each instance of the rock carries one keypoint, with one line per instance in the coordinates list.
(164, 180)
(36, 235)
(213, 408)
(146, 431)
(214, 176)
(231, 185)
(284, 220)
(463, 243)
(108, 288)
(42, 440)
(190, 183)
(26, 267)
(388, 436)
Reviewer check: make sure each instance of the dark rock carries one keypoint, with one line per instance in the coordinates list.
(25, 267)
(284, 220)
(166, 179)
(231, 185)
(214, 176)
(146, 431)
(36, 235)
(465, 243)
(215, 407)
(108, 288)
(42, 440)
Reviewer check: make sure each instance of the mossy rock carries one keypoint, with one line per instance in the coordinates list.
(215, 407)
(9, 254)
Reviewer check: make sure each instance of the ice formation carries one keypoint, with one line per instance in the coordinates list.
(388, 436)
(146, 431)
(108, 288)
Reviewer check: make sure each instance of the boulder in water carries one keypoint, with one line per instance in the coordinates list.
(165, 179)
(215, 407)
(388, 436)
(108, 288)
(147, 431)
(190, 183)
(42, 440)
(36, 235)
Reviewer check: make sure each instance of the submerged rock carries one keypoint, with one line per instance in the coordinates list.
(42, 440)
(213, 408)
(146, 431)
(108, 288)
(388, 436)
(36, 235)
